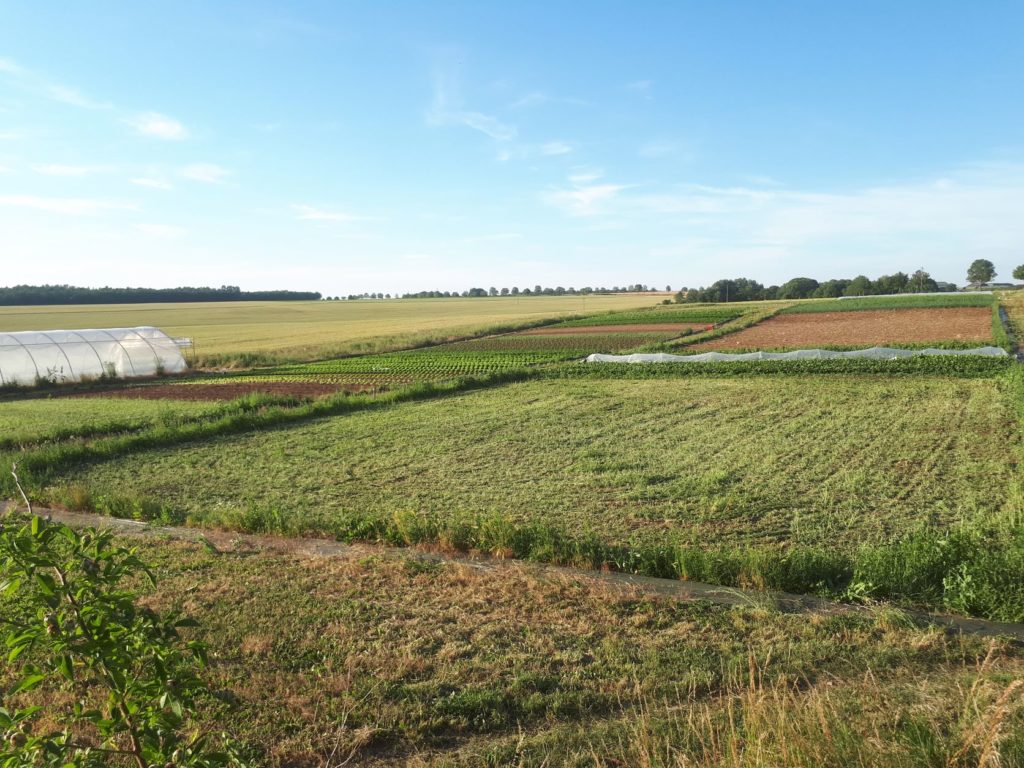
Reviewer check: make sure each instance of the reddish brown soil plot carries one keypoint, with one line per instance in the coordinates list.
(221, 391)
(555, 330)
(861, 328)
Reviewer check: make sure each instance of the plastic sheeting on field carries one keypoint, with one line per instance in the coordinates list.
(873, 353)
(28, 357)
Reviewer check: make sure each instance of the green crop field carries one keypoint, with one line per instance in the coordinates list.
(823, 461)
(662, 314)
(903, 301)
(858, 481)
(32, 420)
(265, 331)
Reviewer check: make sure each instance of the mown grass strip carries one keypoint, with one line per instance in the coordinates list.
(715, 314)
(1002, 332)
(38, 465)
(163, 418)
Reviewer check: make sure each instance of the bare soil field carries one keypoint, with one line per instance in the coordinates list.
(887, 326)
(198, 392)
(637, 328)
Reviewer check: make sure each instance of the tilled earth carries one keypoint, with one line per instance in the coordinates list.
(866, 327)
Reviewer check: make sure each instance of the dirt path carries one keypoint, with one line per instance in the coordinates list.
(863, 327)
(227, 541)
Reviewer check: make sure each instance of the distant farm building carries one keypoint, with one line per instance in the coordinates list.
(57, 357)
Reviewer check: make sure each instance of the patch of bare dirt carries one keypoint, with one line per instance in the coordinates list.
(865, 327)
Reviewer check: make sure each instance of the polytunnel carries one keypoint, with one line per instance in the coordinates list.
(31, 357)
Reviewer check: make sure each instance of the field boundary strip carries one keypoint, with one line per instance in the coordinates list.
(893, 301)
(687, 591)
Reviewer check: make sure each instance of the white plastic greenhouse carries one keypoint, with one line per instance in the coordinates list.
(28, 357)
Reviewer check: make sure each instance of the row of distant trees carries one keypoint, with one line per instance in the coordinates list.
(745, 289)
(20, 295)
(473, 293)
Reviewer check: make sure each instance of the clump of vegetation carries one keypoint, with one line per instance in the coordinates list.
(94, 678)
(902, 301)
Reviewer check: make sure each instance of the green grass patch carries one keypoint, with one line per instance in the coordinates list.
(715, 313)
(958, 366)
(901, 301)
(32, 421)
(626, 472)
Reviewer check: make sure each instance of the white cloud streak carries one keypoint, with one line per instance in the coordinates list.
(971, 212)
(313, 213)
(162, 231)
(150, 183)
(447, 109)
(158, 126)
(75, 98)
(56, 169)
(644, 87)
(72, 206)
(207, 173)
(553, 148)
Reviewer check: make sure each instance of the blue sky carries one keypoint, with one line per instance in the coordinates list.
(349, 147)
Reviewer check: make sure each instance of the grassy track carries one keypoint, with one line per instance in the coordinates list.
(30, 421)
(400, 662)
(711, 313)
(304, 330)
(833, 460)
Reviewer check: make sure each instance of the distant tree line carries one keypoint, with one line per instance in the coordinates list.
(70, 294)
(745, 289)
(473, 293)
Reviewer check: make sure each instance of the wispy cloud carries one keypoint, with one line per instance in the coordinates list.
(536, 98)
(643, 87)
(584, 175)
(145, 181)
(654, 149)
(158, 126)
(36, 82)
(313, 213)
(553, 148)
(530, 100)
(75, 98)
(447, 109)
(9, 67)
(73, 206)
(55, 169)
(969, 212)
(207, 173)
(162, 231)
(496, 237)
(583, 199)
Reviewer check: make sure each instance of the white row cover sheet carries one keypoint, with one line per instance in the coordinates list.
(872, 353)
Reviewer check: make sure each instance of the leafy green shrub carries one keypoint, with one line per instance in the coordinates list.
(961, 366)
(128, 679)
